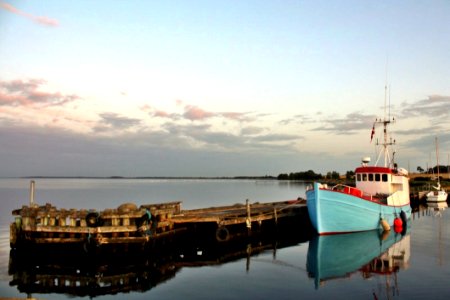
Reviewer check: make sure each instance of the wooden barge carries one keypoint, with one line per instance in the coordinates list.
(129, 224)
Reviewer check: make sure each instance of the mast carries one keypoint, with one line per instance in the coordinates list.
(437, 159)
(388, 162)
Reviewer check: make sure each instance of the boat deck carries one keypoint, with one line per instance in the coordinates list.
(240, 213)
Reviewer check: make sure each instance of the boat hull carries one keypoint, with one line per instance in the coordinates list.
(437, 196)
(333, 212)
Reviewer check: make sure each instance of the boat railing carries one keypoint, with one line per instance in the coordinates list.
(350, 190)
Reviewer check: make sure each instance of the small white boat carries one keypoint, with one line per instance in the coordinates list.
(439, 194)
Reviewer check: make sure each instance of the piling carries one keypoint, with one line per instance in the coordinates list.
(32, 184)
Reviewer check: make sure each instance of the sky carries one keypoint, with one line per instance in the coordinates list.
(220, 88)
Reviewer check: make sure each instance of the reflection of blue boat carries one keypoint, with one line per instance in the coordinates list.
(337, 256)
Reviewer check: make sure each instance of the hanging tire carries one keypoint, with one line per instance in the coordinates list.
(222, 234)
(92, 219)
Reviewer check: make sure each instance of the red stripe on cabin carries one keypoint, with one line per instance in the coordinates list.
(374, 170)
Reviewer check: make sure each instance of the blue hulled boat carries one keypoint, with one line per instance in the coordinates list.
(381, 196)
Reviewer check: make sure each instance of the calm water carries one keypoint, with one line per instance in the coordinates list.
(412, 265)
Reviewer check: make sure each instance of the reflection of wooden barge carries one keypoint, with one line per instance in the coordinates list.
(81, 274)
(129, 224)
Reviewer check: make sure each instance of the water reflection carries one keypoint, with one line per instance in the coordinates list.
(438, 206)
(369, 253)
(429, 209)
(110, 271)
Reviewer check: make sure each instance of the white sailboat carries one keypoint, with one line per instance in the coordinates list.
(439, 194)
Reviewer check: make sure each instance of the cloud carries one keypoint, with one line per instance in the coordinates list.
(154, 112)
(45, 151)
(426, 144)
(276, 138)
(251, 130)
(37, 19)
(435, 106)
(28, 93)
(164, 114)
(115, 122)
(202, 136)
(297, 119)
(237, 116)
(194, 113)
(420, 131)
(348, 125)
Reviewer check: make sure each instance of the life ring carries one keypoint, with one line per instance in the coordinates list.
(222, 234)
(93, 219)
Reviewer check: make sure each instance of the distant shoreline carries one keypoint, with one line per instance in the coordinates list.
(146, 177)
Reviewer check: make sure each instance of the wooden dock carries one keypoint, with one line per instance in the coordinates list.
(240, 213)
(231, 220)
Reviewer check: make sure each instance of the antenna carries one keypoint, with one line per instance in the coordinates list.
(389, 106)
(388, 161)
(385, 87)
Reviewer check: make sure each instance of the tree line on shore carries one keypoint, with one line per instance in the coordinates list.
(311, 175)
(349, 177)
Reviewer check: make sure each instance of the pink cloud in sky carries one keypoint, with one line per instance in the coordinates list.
(146, 108)
(195, 113)
(156, 112)
(38, 19)
(162, 114)
(28, 93)
(237, 116)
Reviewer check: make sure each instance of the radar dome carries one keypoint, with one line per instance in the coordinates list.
(366, 160)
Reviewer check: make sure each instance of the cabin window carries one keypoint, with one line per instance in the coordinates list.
(371, 177)
(384, 177)
(377, 177)
(358, 177)
(364, 177)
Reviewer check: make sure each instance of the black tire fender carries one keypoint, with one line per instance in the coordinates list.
(92, 219)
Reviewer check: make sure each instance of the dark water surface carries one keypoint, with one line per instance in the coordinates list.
(292, 264)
